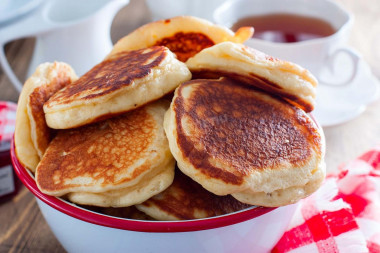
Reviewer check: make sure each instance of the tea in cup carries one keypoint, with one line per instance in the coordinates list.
(310, 33)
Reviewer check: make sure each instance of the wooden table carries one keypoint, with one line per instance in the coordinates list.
(22, 227)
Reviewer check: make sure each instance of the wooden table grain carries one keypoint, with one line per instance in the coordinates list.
(22, 227)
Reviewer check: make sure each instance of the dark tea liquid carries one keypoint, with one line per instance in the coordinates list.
(286, 28)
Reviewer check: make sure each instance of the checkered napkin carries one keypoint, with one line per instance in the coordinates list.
(7, 120)
(343, 215)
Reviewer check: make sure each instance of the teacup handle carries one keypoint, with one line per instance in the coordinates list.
(31, 25)
(355, 58)
(8, 70)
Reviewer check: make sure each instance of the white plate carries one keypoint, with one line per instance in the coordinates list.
(11, 9)
(336, 105)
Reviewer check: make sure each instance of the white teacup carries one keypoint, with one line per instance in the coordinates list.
(164, 9)
(314, 54)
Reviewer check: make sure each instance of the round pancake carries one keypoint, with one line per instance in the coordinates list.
(32, 135)
(185, 199)
(288, 80)
(234, 139)
(106, 156)
(184, 35)
(148, 187)
(122, 83)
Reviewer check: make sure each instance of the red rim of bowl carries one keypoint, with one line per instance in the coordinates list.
(128, 224)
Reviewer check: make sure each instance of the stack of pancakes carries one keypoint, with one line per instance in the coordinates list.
(239, 131)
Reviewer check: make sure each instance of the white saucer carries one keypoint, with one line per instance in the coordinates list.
(336, 105)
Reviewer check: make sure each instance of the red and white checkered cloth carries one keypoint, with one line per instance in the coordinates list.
(343, 215)
(7, 120)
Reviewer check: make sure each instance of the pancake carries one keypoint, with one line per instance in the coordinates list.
(234, 139)
(149, 186)
(292, 82)
(32, 135)
(110, 157)
(184, 35)
(185, 199)
(122, 83)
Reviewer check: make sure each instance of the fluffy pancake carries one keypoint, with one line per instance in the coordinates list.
(149, 186)
(234, 139)
(296, 84)
(186, 200)
(121, 83)
(123, 152)
(32, 135)
(185, 36)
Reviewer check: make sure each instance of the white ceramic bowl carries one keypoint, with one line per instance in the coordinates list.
(256, 229)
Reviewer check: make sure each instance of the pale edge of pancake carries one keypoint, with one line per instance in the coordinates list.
(25, 147)
(160, 81)
(149, 34)
(156, 213)
(237, 58)
(301, 181)
(148, 187)
(161, 155)
(285, 196)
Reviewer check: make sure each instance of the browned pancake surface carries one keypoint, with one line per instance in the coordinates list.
(99, 152)
(36, 102)
(257, 82)
(185, 197)
(186, 44)
(236, 125)
(112, 74)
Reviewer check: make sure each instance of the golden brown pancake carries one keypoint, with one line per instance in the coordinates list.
(114, 157)
(185, 199)
(184, 35)
(149, 185)
(234, 139)
(288, 80)
(32, 135)
(119, 84)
